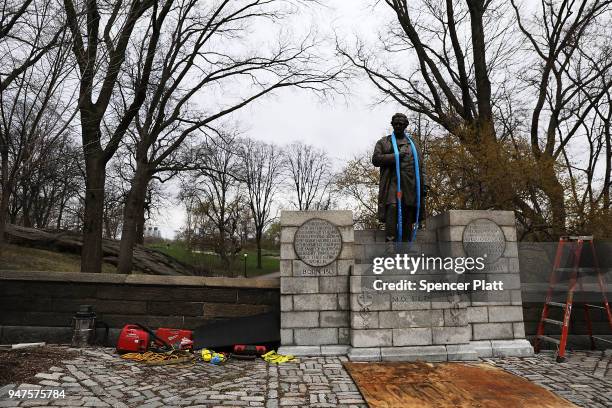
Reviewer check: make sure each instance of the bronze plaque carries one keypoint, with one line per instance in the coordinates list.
(484, 238)
(317, 242)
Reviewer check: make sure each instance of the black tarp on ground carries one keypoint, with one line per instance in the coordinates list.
(259, 329)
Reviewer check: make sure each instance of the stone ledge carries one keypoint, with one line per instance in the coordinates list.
(511, 348)
(415, 353)
(45, 276)
(460, 352)
(335, 350)
(364, 354)
(300, 351)
(297, 218)
(482, 348)
(463, 217)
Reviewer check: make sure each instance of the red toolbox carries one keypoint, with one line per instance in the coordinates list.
(133, 339)
(178, 338)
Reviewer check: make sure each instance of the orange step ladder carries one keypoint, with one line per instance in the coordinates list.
(576, 245)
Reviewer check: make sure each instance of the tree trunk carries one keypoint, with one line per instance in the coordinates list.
(4, 202)
(558, 210)
(27, 218)
(553, 189)
(131, 219)
(91, 254)
(4, 185)
(258, 235)
(60, 214)
(608, 171)
(222, 250)
(486, 130)
(140, 226)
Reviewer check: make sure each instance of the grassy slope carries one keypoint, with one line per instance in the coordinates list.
(18, 258)
(270, 261)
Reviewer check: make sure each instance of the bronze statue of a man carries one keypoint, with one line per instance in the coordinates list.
(400, 159)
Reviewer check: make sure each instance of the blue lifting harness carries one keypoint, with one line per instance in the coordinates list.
(417, 175)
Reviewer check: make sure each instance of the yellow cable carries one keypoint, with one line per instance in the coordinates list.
(159, 358)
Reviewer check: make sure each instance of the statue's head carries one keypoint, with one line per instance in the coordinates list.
(399, 121)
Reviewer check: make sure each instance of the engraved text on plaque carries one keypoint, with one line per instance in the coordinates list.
(317, 242)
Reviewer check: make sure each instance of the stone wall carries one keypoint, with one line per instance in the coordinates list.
(38, 306)
(314, 300)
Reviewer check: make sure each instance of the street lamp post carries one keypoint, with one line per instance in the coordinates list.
(245, 259)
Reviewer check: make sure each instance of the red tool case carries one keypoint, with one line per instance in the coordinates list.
(173, 336)
(133, 339)
(249, 349)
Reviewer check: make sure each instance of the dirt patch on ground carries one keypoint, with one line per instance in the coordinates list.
(20, 366)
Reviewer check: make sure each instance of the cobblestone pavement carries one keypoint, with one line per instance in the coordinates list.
(98, 378)
(584, 379)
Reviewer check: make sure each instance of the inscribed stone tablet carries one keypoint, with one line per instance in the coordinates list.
(317, 242)
(484, 238)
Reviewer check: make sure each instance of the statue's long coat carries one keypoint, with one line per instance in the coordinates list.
(384, 158)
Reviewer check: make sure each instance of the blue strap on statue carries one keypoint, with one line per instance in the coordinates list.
(398, 196)
(417, 174)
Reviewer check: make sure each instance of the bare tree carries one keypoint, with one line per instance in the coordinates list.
(28, 30)
(604, 113)
(309, 176)
(46, 183)
(358, 182)
(217, 193)
(206, 48)
(261, 172)
(464, 85)
(588, 171)
(35, 128)
(100, 52)
(570, 80)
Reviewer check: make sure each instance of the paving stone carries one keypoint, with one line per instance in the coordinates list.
(50, 383)
(584, 379)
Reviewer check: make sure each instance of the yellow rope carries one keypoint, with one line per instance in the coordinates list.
(151, 358)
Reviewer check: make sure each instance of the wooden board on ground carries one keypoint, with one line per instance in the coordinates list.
(443, 385)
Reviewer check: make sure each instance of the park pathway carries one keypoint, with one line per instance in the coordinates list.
(97, 377)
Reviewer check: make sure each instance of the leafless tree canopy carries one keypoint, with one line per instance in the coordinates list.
(204, 48)
(309, 175)
(103, 102)
(35, 114)
(496, 75)
(217, 194)
(262, 173)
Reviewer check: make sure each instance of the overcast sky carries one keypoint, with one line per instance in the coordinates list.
(343, 126)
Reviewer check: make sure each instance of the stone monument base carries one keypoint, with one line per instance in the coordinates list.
(450, 352)
(439, 353)
(328, 306)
